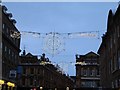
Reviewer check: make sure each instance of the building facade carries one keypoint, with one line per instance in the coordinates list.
(10, 48)
(87, 71)
(40, 73)
(109, 52)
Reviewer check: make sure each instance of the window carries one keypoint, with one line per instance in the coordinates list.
(24, 70)
(119, 59)
(81, 71)
(112, 84)
(114, 38)
(3, 26)
(5, 48)
(7, 30)
(9, 51)
(116, 83)
(118, 31)
(93, 72)
(31, 81)
(15, 57)
(84, 72)
(111, 42)
(98, 72)
(1, 45)
(111, 65)
(32, 70)
(115, 62)
(88, 84)
(23, 81)
(38, 70)
(119, 82)
(82, 84)
(12, 55)
(88, 72)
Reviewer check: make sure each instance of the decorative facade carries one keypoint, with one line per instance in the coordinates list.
(87, 71)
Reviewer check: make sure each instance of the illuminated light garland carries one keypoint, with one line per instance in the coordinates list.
(44, 63)
(81, 63)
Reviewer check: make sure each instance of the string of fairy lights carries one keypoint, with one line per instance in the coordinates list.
(54, 41)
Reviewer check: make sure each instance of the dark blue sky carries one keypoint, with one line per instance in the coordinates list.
(62, 18)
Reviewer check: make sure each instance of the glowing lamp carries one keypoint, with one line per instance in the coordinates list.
(2, 82)
(11, 84)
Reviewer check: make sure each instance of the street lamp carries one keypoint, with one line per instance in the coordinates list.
(1, 83)
(41, 88)
(67, 88)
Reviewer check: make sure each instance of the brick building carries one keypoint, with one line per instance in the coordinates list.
(109, 52)
(87, 71)
(10, 48)
(36, 73)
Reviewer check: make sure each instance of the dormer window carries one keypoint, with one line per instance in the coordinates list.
(13, 21)
(4, 8)
(9, 15)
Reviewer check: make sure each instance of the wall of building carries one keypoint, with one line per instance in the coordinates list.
(87, 71)
(10, 49)
(109, 52)
(36, 73)
(0, 42)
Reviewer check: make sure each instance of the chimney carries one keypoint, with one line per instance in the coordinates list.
(24, 53)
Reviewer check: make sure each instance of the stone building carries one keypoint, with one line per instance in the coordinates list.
(109, 52)
(87, 71)
(41, 73)
(10, 48)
